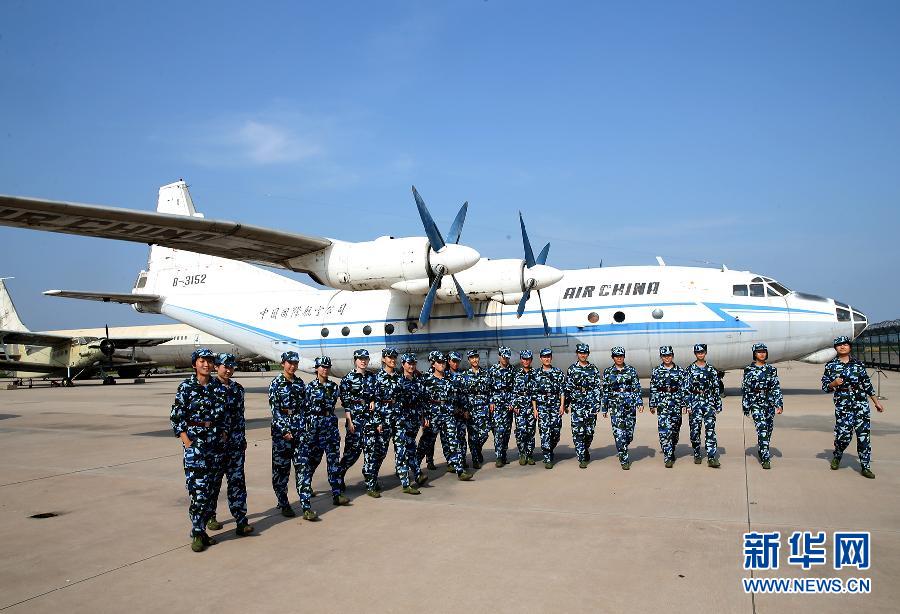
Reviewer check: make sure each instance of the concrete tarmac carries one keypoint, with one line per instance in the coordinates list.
(103, 459)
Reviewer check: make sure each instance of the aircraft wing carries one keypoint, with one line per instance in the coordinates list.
(29, 338)
(124, 343)
(28, 367)
(107, 297)
(213, 237)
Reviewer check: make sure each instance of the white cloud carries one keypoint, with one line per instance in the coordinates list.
(267, 143)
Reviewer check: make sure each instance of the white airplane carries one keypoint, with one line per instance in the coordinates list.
(395, 292)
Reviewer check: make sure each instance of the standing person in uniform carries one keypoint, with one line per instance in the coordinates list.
(412, 406)
(502, 376)
(762, 399)
(355, 392)
(231, 396)
(476, 385)
(461, 411)
(425, 447)
(549, 387)
(584, 395)
(701, 387)
(386, 399)
(667, 401)
(622, 398)
(525, 408)
(440, 394)
(322, 437)
(847, 378)
(197, 418)
(287, 394)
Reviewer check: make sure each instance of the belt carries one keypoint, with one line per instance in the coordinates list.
(204, 425)
(387, 402)
(289, 412)
(669, 389)
(760, 389)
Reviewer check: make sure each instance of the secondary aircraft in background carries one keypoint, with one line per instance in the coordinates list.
(84, 352)
(423, 293)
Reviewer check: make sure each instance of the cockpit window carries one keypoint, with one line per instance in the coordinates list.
(740, 290)
(756, 279)
(843, 315)
(757, 290)
(781, 290)
(771, 291)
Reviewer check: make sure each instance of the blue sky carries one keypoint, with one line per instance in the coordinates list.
(763, 135)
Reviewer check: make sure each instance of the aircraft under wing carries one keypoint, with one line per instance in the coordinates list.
(30, 367)
(213, 237)
(28, 338)
(123, 343)
(107, 297)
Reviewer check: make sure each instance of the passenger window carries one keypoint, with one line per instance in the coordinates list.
(740, 290)
(757, 290)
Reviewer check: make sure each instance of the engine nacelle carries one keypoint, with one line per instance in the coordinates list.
(498, 280)
(382, 263)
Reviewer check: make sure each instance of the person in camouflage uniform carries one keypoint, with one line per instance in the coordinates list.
(287, 395)
(428, 439)
(622, 399)
(412, 406)
(440, 395)
(356, 398)
(231, 396)
(525, 408)
(762, 399)
(667, 401)
(461, 411)
(701, 389)
(476, 386)
(502, 376)
(197, 419)
(847, 379)
(321, 437)
(584, 397)
(549, 388)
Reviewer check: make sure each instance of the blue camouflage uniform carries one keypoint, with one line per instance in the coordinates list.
(232, 466)
(701, 389)
(387, 395)
(502, 380)
(584, 396)
(412, 407)
(322, 437)
(549, 385)
(441, 394)
(668, 399)
(523, 398)
(476, 386)
(286, 400)
(851, 406)
(199, 412)
(761, 396)
(428, 439)
(356, 396)
(461, 411)
(621, 398)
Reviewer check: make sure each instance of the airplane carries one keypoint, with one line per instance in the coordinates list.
(424, 293)
(70, 354)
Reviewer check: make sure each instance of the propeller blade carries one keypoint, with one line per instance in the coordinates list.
(529, 254)
(544, 315)
(457, 226)
(431, 229)
(542, 257)
(525, 295)
(470, 313)
(425, 314)
(107, 331)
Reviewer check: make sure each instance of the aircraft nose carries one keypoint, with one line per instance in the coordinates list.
(860, 322)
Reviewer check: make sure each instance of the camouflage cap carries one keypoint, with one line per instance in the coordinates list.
(504, 351)
(666, 350)
(409, 358)
(546, 352)
(699, 347)
(454, 356)
(526, 354)
(389, 353)
(437, 357)
(841, 340)
(323, 361)
(617, 351)
(760, 347)
(229, 360)
(582, 348)
(290, 356)
(472, 354)
(201, 353)
(361, 353)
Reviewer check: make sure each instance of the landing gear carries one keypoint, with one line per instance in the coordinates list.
(721, 375)
(109, 380)
(67, 382)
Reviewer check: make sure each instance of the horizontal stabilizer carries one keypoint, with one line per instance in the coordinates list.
(108, 297)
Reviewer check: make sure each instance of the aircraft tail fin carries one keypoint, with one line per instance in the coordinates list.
(9, 317)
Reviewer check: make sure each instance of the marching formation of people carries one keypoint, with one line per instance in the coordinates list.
(412, 410)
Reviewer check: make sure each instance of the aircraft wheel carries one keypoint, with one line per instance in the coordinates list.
(109, 380)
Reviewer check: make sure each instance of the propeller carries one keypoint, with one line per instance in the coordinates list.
(107, 347)
(441, 247)
(534, 271)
